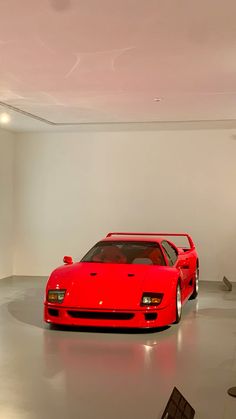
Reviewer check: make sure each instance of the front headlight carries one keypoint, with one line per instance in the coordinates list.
(151, 299)
(56, 296)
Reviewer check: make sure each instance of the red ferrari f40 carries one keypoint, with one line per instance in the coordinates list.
(132, 280)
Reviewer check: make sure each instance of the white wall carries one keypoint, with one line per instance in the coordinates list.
(6, 202)
(71, 189)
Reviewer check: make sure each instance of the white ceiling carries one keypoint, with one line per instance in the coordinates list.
(96, 61)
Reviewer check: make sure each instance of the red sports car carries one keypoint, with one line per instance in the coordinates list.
(134, 280)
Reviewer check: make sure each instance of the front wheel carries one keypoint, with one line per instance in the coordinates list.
(178, 304)
(196, 285)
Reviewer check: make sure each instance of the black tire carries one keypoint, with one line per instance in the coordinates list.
(196, 285)
(178, 306)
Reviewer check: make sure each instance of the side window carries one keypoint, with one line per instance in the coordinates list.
(170, 251)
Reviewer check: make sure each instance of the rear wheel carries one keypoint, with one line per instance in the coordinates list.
(178, 304)
(196, 284)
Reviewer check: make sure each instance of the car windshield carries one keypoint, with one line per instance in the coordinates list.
(144, 253)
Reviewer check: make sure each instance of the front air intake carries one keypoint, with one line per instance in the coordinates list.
(150, 316)
(100, 315)
(53, 312)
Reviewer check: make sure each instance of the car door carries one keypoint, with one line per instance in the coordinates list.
(172, 255)
(191, 262)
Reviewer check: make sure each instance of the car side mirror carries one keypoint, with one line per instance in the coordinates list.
(67, 260)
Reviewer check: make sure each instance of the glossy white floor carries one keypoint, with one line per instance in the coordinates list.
(60, 374)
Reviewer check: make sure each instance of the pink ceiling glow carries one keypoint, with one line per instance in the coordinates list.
(95, 61)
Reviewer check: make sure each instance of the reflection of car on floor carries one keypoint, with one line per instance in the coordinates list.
(125, 280)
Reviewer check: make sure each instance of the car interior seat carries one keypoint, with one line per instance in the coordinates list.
(110, 254)
(154, 254)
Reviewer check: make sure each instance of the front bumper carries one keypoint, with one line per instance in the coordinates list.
(143, 318)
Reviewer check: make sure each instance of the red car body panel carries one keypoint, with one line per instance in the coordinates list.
(110, 294)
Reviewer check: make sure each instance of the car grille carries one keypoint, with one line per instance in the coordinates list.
(102, 315)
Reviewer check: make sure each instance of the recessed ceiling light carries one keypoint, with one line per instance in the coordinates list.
(5, 118)
(157, 99)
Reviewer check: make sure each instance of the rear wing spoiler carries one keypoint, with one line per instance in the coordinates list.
(189, 238)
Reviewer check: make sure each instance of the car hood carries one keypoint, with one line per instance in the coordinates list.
(111, 286)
